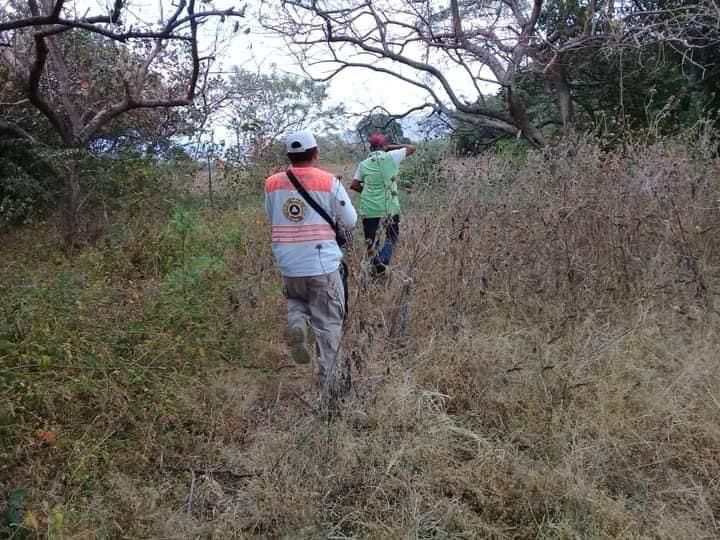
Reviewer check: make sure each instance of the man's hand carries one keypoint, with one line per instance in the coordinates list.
(356, 185)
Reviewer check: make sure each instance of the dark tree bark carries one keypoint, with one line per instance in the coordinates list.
(71, 222)
(556, 74)
(521, 120)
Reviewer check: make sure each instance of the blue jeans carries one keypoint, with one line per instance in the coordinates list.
(371, 228)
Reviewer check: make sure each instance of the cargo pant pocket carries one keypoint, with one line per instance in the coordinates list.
(336, 294)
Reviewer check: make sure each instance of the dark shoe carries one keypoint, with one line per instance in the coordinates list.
(377, 268)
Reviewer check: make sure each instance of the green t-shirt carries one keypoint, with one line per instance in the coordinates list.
(378, 174)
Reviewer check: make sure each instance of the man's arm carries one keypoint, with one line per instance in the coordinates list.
(409, 148)
(356, 184)
(342, 206)
(268, 208)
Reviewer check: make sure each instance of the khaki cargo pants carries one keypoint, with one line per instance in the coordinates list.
(319, 301)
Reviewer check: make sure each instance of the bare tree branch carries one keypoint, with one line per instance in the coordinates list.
(427, 44)
(60, 69)
(143, 71)
(379, 38)
(16, 130)
(33, 89)
(77, 129)
(15, 103)
(497, 68)
(58, 24)
(57, 9)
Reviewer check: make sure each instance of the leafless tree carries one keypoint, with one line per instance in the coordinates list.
(456, 50)
(445, 51)
(161, 70)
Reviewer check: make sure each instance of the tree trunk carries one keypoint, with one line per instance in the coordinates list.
(210, 183)
(556, 73)
(71, 204)
(520, 118)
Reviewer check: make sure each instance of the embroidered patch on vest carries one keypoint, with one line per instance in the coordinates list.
(294, 209)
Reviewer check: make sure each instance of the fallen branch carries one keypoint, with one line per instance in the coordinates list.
(17, 130)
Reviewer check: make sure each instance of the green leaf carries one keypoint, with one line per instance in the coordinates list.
(12, 515)
(45, 362)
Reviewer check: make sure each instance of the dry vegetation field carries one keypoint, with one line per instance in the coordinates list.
(558, 375)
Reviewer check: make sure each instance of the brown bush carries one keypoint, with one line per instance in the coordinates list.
(580, 228)
(566, 309)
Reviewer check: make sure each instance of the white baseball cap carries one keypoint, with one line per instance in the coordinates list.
(300, 141)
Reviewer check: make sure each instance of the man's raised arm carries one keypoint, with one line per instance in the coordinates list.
(409, 148)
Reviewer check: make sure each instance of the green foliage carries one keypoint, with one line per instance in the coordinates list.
(34, 162)
(182, 297)
(512, 150)
(564, 19)
(636, 89)
(336, 149)
(28, 183)
(621, 91)
(654, 88)
(419, 169)
(197, 264)
(12, 515)
(115, 329)
(247, 175)
(122, 178)
(470, 139)
(31, 179)
(263, 108)
(184, 222)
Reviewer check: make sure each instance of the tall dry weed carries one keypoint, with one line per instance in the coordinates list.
(579, 228)
(563, 318)
(542, 362)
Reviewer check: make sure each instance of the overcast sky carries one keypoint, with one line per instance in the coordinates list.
(359, 90)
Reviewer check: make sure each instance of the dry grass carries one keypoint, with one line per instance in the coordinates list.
(525, 402)
(559, 378)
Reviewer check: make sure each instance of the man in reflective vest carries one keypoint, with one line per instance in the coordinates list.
(376, 181)
(307, 253)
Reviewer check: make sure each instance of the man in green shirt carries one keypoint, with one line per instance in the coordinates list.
(376, 181)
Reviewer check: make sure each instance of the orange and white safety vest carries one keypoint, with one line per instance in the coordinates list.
(302, 241)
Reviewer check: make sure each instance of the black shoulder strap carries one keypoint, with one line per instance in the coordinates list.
(308, 199)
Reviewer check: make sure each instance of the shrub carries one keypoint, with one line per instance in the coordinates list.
(419, 169)
(576, 227)
(29, 185)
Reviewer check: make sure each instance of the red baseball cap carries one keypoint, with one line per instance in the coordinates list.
(378, 139)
